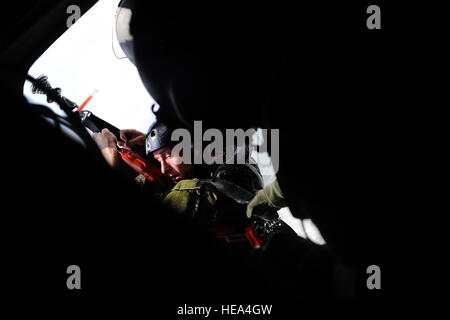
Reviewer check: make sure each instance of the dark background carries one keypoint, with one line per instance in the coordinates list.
(48, 222)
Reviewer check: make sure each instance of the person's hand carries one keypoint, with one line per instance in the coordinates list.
(107, 143)
(133, 140)
(105, 139)
(267, 201)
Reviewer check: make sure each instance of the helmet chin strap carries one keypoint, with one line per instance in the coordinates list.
(173, 101)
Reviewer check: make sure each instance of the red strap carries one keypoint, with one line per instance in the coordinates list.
(251, 237)
(148, 170)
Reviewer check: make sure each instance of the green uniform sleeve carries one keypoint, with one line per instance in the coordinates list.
(180, 197)
(271, 195)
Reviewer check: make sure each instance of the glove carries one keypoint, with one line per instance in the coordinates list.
(269, 197)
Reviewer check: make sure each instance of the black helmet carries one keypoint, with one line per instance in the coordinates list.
(158, 136)
(195, 64)
(160, 132)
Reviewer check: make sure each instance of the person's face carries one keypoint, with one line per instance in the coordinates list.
(173, 167)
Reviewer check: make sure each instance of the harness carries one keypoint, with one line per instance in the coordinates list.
(255, 234)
